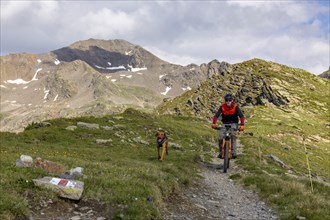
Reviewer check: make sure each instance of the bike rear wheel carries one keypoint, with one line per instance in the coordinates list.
(226, 158)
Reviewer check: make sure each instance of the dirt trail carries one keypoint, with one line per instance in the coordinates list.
(216, 196)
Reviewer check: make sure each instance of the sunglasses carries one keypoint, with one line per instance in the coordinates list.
(229, 100)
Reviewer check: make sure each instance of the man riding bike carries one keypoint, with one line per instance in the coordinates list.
(230, 113)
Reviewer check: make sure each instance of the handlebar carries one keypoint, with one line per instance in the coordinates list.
(217, 127)
(227, 126)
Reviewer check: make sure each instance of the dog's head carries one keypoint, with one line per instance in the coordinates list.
(160, 134)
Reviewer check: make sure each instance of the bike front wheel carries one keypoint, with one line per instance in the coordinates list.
(226, 158)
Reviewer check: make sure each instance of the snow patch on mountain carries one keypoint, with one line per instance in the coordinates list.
(166, 90)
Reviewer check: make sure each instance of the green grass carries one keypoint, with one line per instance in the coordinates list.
(291, 197)
(296, 132)
(123, 173)
(288, 189)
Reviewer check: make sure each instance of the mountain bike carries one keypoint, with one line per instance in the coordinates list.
(226, 146)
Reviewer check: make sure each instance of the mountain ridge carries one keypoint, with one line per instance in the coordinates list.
(113, 74)
(102, 77)
(252, 82)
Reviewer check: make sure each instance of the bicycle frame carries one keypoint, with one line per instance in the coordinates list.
(226, 146)
(227, 141)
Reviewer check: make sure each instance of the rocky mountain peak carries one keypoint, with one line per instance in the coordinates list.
(91, 77)
(109, 56)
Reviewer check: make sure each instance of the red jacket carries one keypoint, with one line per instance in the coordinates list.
(229, 114)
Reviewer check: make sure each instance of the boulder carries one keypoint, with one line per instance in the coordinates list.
(78, 171)
(49, 166)
(71, 128)
(88, 125)
(102, 141)
(24, 161)
(65, 188)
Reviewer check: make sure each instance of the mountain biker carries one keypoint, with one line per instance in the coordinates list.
(230, 112)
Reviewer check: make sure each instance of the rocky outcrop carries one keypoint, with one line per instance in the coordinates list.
(216, 68)
(245, 81)
(325, 74)
(248, 90)
(256, 91)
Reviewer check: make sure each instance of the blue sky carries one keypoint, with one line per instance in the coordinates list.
(294, 33)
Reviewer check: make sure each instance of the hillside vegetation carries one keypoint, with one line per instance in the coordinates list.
(286, 107)
(123, 176)
(125, 180)
(287, 112)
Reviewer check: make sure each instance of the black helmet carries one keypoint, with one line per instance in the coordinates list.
(229, 96)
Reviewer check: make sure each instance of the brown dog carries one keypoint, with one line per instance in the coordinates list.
(162, 141)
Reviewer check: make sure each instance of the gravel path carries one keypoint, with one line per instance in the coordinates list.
(216, 196)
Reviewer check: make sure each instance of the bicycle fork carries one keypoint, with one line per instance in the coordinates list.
(223, 148)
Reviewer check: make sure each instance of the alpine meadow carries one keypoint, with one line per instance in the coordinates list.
(72, 108)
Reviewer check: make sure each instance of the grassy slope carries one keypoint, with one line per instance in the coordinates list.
(294, 133)
(287, 188)
(289, 132)
(123, 173)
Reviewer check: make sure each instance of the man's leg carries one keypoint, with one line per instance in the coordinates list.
(233, 146)
(221, 139)
(233, 143)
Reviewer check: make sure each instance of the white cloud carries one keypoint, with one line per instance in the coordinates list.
(173, 58)
(295, 33)
(47, 10)
(106, 22)
(11, 9)
(27, 12)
